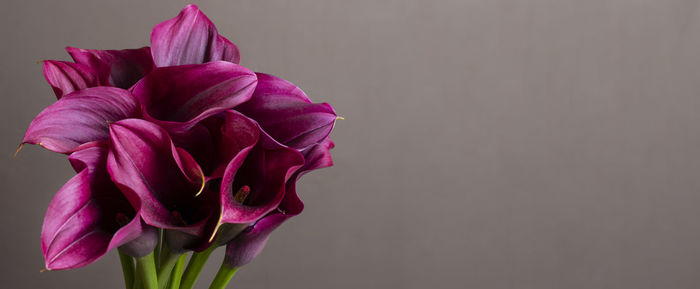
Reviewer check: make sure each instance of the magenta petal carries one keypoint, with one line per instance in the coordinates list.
(287, 114)
(229, 51)
(200, 143)
(119, 68)
(236, 136)
(190, 38)
(66, 77)
(143, 160)
(178, 97)
(265, 170)
(249, 243)
(317, 157)
(82, 222)
(80, 117)
(215, 141)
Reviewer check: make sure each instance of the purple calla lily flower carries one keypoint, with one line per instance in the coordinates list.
(118, 68)
(190, 38)
(253, 183)
(248, 167)
(89, 216)
(250, 242)
(164, 178)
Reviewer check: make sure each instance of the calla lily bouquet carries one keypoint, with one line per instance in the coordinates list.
(177, 148)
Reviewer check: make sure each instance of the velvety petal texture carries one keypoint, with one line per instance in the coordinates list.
(165, 179)
(178, 97)
(66, 77)
(251, 241)
(264, 172)
(317, 157)
(88, 216)
(190, 38)
(233, 137)
(248, 244)
(80, 117)
(119, 68)
(286, 113)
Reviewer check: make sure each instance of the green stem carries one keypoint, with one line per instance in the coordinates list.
(157, 250)
(146, 272)
(194, 267)
(223, 276)
(167, 262)
(128, 269)
(176, 276)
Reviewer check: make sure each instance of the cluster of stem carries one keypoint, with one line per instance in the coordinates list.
(163, 269)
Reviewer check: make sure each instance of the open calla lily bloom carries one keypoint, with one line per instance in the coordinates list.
(177, 148)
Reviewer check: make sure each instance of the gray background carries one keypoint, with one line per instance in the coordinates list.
(487, 144)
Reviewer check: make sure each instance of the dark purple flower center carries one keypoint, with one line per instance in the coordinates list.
(178, 217)
(122, 219)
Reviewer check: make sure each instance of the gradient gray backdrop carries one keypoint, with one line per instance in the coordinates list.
(486, 144)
